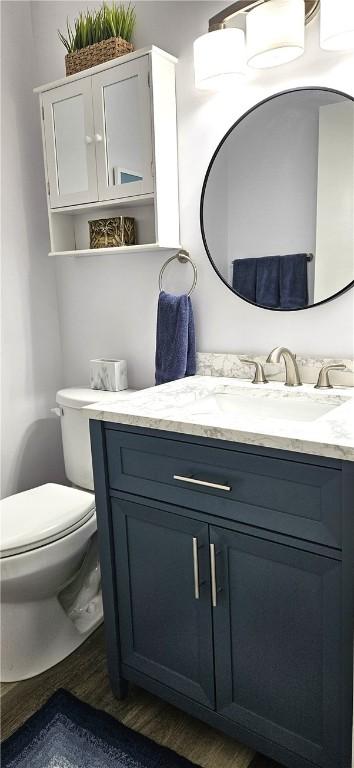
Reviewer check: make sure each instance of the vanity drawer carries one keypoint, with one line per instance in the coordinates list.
(290, 497)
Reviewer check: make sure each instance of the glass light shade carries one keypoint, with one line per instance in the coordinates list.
(218, 58)
(275, 33)
(337, 25)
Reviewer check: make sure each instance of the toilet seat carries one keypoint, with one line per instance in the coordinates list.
(39, 516)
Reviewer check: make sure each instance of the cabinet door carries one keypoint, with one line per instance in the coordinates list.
(278, 644)
(122, 110)
(165, 629)
(70, 144)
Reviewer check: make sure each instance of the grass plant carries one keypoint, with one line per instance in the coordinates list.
(93, 26)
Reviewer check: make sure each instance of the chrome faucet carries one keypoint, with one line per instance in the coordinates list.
(292, 376)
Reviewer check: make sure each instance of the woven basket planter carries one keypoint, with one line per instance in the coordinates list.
(97, 53)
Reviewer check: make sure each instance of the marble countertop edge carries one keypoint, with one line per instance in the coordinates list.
(341, 448)
(262, 440)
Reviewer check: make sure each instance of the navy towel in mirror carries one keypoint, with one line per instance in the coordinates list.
(244, 278)
(175, 338)
(293, 281)
(267, 283)
(277, 282)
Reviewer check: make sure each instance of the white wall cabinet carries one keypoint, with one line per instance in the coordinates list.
(110, 147)
(123, 124)
(70, 149)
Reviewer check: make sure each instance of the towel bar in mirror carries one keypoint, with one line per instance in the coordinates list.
(277, 204)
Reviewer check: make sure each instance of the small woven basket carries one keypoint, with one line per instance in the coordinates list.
(97, 53)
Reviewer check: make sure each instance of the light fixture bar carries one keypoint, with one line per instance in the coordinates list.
(312, 8)
(241, 6)
(244, 6)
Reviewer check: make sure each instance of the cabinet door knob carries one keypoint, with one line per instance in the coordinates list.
(98, 137)
(88, 139)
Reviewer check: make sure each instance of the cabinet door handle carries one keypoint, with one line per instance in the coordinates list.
(98, 137)
(196, 568)
(213, 575)
(205, 483)
(88, 139)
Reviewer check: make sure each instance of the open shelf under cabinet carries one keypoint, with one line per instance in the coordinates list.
(144, 248)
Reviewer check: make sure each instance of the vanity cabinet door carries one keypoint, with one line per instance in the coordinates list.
(70, 144)
(122, 112)
(165, 629)
(278, 643)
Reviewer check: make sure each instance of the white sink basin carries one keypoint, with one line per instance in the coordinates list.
(261, 405)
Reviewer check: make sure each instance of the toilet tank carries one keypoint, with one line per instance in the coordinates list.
(75, 430)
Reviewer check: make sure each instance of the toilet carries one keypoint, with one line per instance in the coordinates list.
(50, 575)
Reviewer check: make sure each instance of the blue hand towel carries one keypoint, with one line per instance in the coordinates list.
(267, 284)
(175, 338)
(293, 281)
(244, 278)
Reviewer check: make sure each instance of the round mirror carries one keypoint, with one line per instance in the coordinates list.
(277, 206)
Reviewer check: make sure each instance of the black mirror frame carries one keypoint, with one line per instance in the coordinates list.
(221, 143)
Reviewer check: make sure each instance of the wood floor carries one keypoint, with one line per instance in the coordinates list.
(84, 674)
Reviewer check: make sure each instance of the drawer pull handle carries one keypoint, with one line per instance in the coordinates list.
(196, 568)
(213, 575)
(205, 483)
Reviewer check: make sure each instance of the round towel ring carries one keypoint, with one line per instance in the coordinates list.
(182, 256)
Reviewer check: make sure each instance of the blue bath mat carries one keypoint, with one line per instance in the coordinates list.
(66, 733)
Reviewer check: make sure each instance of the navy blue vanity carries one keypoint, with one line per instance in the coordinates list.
(231, 596)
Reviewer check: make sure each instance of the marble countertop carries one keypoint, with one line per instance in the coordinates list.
(178, 407)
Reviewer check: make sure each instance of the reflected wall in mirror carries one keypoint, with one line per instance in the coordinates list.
(277, 206)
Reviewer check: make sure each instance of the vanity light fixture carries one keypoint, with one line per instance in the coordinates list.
(219, 58)
(337, 25)
(275, 34)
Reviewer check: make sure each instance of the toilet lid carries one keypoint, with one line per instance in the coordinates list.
(41, 515)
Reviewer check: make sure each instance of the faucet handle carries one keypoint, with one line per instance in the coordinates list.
(259, 375)
(323, 381)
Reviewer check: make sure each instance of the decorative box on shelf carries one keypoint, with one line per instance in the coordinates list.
(109, 375)
(112, 233)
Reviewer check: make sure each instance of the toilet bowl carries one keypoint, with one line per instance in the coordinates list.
(49, 567)
(48, 535)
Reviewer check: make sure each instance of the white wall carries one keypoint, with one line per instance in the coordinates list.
(30, 344)
(108, 304)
